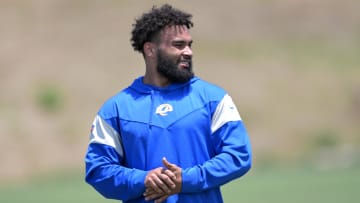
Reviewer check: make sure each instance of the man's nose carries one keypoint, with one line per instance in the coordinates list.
(188, 51)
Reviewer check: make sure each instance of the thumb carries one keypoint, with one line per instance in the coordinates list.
(167, 164)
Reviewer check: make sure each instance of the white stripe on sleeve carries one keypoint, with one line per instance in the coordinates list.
(103, 133)
(225, 111)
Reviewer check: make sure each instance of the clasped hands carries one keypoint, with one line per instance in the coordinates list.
(162, 182)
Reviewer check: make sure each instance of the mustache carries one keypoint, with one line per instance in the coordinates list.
(185, 61)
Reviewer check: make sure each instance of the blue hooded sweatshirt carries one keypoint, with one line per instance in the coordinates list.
(194, 125)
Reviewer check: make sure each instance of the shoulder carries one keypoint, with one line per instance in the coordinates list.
(208, 89)
(110, 106)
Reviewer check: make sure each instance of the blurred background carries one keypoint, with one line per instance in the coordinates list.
(292, 67)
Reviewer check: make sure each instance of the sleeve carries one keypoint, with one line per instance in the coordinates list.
(233, 151)
(103, 164)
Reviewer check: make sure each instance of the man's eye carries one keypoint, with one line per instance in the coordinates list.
(178, 45)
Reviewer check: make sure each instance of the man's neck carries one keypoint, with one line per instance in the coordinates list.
(155, 79)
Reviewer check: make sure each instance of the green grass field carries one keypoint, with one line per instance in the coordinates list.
(284, 185)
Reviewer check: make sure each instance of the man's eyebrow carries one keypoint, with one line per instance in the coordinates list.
(182, 41)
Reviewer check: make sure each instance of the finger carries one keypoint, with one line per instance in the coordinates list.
(161, 199)
(153, 196)
(162, 186)
(167, 180)
(167, 164)
(157, 183)
(149, 191)
(170, 174)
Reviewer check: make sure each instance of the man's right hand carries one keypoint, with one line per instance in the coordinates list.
(160, 180)
(151, 194)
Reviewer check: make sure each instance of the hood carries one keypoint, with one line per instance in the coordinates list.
(140, 87)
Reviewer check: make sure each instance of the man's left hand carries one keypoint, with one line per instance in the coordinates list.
(151, 194)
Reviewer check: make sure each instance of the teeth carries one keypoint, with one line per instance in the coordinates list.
(185, 63)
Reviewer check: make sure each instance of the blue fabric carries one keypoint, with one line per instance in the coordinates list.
(182, 135)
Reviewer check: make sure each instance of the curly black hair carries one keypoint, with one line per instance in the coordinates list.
(146, 28)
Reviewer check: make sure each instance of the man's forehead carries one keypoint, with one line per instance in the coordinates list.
(175, 31)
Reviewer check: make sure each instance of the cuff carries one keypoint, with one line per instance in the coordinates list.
(137, 188)
(190, 180)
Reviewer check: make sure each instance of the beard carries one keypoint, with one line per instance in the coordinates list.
(172, 71)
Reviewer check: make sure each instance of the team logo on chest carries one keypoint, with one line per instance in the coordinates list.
(163, 109)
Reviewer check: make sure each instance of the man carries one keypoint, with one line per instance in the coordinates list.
(169, 136)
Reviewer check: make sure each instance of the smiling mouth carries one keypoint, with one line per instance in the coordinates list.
(184, 64)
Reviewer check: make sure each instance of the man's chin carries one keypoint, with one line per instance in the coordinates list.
(182, 79)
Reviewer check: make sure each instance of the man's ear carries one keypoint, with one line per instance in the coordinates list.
(149, 49)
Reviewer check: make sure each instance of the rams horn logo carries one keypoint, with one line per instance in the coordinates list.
(163, 109)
